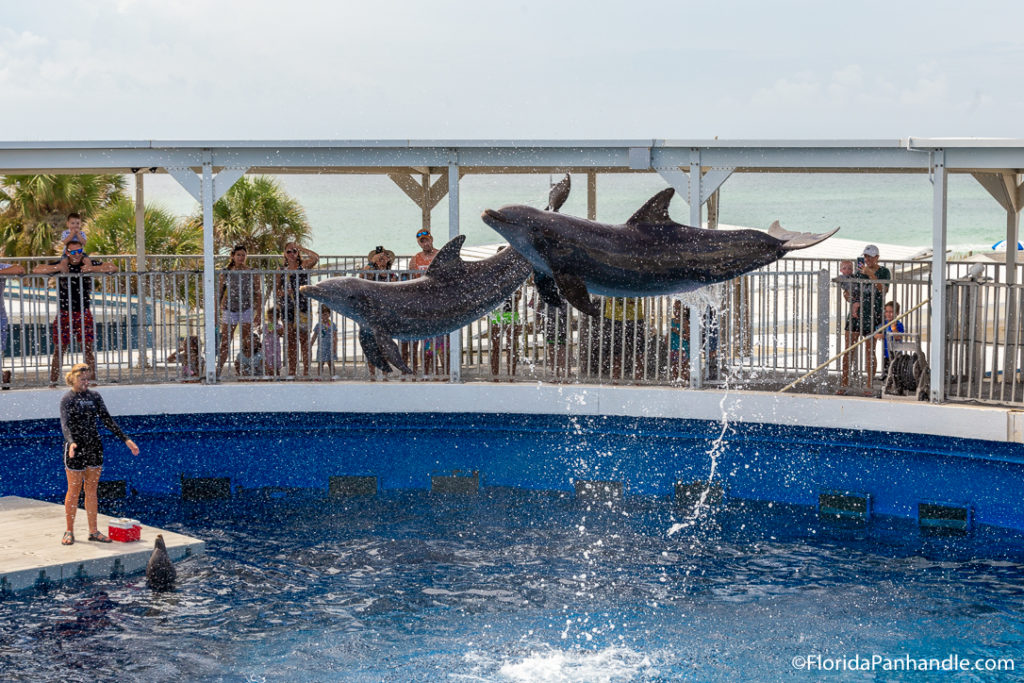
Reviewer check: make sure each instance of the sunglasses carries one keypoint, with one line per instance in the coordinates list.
(77, 251)
(290, 251)
(422, 234)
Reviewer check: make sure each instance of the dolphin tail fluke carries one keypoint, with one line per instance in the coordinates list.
(797, 240)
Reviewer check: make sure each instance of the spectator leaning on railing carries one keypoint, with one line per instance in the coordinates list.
(6, 270)
(73, 297)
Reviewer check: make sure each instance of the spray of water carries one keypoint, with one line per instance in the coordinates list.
(718, 444)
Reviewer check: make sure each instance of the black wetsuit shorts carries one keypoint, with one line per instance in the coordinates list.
(86, 457)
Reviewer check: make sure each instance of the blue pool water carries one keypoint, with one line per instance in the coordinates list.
(514, 585)
(525, 581)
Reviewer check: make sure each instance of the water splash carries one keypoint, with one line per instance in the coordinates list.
(613, 663)
(717, 447)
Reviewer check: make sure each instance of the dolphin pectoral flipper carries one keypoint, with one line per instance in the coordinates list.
(574, 289)
(547, 289)
(391, 352)
(373, 352)
(797, 240)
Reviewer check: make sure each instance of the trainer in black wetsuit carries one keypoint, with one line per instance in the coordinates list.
(83, 449)
(79, 411)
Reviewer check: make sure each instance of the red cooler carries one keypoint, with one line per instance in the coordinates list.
(125, 530)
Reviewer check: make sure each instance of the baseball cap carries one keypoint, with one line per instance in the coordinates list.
(871, 250)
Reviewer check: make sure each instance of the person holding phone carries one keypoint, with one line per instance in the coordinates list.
(873, 281)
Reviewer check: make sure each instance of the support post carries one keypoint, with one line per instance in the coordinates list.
(425, 205)
(592, 195)
(209, 280)
(1012, 237)
(696, 314)
(140, 265)
(455, 338)
(937, 333)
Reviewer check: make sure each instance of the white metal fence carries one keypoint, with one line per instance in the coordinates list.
(758, 331)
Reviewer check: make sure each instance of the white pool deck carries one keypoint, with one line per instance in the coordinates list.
(30, 547)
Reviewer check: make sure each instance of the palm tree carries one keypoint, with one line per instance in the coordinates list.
(33, 207)
(112, 231)
(258, 214)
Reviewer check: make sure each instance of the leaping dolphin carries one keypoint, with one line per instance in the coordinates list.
(650, 255)
(451, 294)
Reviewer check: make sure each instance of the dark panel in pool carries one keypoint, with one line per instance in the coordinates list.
(544, 452)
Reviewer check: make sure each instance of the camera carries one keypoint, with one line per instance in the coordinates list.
(378, 249)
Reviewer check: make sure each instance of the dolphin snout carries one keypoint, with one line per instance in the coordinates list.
(493, 215)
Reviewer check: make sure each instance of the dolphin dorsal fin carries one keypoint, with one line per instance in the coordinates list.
(654, 211)
(448, 258)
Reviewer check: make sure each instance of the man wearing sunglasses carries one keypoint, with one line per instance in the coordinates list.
(421, 261)
(73, 297)
(434, 350)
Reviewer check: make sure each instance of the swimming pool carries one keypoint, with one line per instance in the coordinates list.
(519, 585)
(524, 580)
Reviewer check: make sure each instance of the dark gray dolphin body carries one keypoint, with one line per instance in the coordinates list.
(160, 573)
(451, 294)
(650, 255)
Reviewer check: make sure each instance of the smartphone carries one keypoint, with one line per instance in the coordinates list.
(860, 262)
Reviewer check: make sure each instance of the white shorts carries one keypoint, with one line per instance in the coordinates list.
(236, 317)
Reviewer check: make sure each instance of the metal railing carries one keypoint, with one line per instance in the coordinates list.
(758, 331)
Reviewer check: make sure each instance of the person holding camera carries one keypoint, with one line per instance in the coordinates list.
(873, 282)
(378, 265)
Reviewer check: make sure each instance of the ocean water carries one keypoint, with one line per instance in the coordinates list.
(351, 214)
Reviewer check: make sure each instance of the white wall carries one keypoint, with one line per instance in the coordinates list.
(988, 423)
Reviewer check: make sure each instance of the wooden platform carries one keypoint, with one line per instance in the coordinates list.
(31, 553)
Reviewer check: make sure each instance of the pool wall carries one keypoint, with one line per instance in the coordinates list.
(776, 448)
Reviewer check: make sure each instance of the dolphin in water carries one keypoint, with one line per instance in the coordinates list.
(650, 255)
(451, 294)
(160, 573)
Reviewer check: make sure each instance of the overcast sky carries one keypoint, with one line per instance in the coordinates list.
(470, 69)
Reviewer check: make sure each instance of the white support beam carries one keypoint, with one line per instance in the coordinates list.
(140, 264)
(222, 182)
(209, 295)
(712, 180)
(188, 179)
(140, 223)
(455, 338)
(696, 314)
(678, 180)
(1012, 238)
(937, 333)
(225, 179)
(1002, 187)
